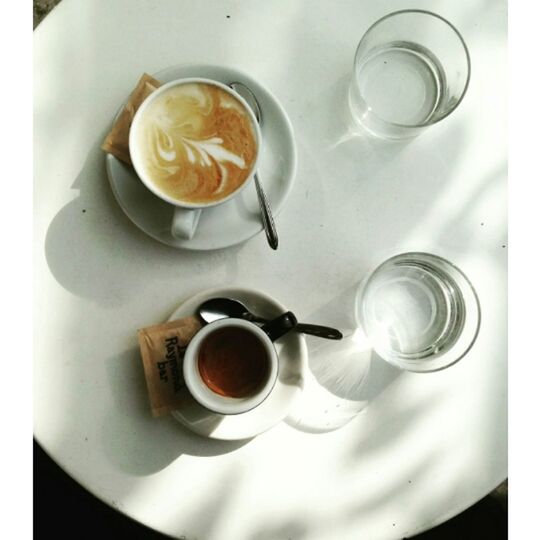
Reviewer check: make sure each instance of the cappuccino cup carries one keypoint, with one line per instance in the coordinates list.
(231, 365)
(194, 143)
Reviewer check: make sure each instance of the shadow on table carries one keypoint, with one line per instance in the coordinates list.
(90, 239)
(86, 247)
(139, 443)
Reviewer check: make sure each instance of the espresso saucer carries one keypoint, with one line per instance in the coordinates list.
(292, 354)
(238, 219)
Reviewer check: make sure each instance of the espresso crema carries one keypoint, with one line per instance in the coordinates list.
(197, 143)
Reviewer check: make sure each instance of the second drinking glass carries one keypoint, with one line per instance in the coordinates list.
(411, 70)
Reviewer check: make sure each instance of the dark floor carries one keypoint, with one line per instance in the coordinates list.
(486, 520)
(41, 8)
(56, 495)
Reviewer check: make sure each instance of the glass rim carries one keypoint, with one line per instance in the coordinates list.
(467, 56)
(437, 362)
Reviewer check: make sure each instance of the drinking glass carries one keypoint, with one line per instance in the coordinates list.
(419, 311)
(411, 70)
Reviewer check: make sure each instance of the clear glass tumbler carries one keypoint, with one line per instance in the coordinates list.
(419, 312)
(411, 70)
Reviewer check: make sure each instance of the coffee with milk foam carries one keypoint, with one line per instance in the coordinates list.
(197, 143)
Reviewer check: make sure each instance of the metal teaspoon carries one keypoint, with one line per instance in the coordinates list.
(221, 308)
(266, 213)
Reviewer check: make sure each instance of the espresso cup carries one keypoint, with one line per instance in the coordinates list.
(194, 143)
(231, 365)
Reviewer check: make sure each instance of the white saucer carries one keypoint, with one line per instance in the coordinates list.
(292, 353)
(238, 219)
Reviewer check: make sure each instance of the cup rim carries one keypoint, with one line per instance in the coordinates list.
(211, 400)
(467, 56)
(137, 166)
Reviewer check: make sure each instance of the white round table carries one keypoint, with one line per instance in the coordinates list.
(427, 446)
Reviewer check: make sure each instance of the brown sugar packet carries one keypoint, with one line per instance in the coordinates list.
(162, 349)
(117, 141)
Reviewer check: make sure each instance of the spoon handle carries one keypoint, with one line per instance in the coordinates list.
(319, 331)
(311, 329)
(266, 214)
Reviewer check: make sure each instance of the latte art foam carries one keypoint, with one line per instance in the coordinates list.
(197, 143)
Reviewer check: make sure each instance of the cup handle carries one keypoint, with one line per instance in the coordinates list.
(278, 327)
(184, 223)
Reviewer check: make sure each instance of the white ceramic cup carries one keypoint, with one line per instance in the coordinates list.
(233, 405)
(186, 215)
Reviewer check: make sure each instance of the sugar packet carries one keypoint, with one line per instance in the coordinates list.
(117, 141)
(162, 350)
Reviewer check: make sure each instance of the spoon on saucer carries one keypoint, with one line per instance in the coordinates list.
(266, 213)
(221, 308)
